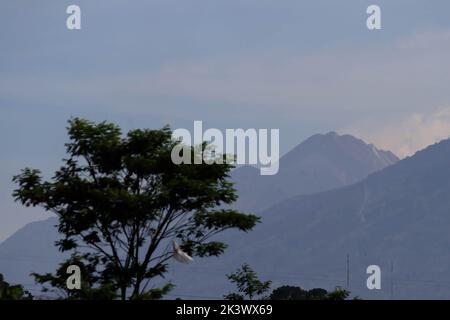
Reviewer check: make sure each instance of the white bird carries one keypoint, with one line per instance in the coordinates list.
(180, 255)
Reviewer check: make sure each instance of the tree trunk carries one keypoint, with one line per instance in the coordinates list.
(137, 288)
(123, 293)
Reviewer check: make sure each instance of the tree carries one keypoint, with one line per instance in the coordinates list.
(247, 283)
(12, 292)
(93, 286)
(297, 293)
(124, 200)
(338, 294)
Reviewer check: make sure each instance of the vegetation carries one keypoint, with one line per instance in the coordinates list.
(123, 201)
(12, 292)
(93, 287)
(248, 284)
(297, 293)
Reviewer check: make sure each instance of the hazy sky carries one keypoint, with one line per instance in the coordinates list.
(301, 66)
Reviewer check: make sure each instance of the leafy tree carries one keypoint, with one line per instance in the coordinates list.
(123, 199)
(297, 293)
(247, 283)
(338, 294)
(93, 285)
(317, 294)
(12, 292)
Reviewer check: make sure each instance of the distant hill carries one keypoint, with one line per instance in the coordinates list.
(398, 218)
(322, 162)
(30, 249)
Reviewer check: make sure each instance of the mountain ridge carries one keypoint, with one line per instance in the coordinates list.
(321, 162)
(29, 241)
(398, 216)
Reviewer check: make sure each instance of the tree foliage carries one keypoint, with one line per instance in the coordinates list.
(297, 293)
(248, 284)
(93, 285)
(123, 199)
(338, 294)
(12, 292)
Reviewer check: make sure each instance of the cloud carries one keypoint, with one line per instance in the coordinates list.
(400, 76)
(406, 136)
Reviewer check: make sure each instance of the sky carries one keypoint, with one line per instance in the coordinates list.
(303, 67)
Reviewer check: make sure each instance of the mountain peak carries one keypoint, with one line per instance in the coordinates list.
(333, 136)
(331, 144)
(321, 162)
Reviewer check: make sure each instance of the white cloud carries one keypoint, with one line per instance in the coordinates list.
(406, 136)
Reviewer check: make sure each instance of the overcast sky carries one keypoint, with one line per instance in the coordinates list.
(304, 67)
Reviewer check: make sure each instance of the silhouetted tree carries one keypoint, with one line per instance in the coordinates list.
(297, 293)
(248, 284)
(317, 294)
(93, 285)
(12, 292)
(124, 199)
(338, 294)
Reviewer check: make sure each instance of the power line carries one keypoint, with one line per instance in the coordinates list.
(281, 275)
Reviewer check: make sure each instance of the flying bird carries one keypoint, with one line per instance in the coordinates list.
(180, 255)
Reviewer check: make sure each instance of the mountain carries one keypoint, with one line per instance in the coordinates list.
(322, 162)
(30, 249)
(397, 218)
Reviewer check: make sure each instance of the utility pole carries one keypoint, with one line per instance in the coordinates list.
(348, 271)
(392, 280)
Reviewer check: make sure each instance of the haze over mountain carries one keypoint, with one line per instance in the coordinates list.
(30, 249)
(322, 162)
(398, 219)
